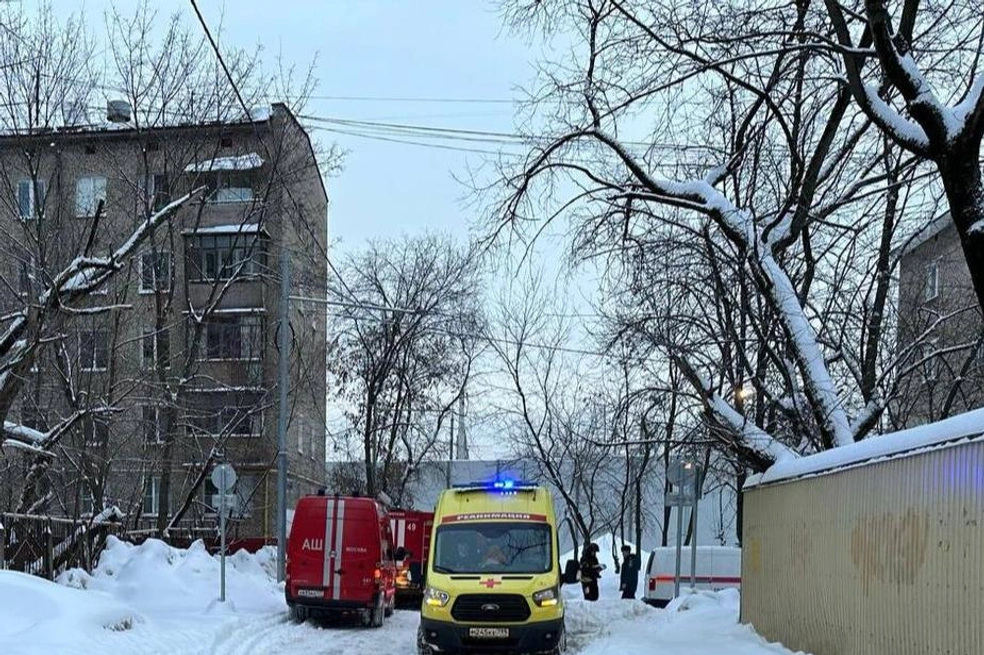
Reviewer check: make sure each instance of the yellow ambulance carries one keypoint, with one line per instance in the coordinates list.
(493, 575)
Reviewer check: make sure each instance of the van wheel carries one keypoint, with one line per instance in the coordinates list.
(298, 614)
(374, 618)
(562, 644)
(422, 647)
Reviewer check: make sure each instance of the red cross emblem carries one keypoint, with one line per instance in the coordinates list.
(490, 583)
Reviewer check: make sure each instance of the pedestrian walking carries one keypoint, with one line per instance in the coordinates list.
(590, 571)
(629, 580)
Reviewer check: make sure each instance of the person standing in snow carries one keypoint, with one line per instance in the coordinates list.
(629, 580)
(590, 571)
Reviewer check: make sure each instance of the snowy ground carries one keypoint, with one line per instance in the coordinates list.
(155, 599)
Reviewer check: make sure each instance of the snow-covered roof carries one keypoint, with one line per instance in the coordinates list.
(236, 163)
(963, 427)
(233, 228)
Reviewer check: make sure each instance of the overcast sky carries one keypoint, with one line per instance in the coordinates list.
(419, 49)
(438, 63)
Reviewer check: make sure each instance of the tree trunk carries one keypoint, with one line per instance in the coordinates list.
(961, 175)
(167, 464)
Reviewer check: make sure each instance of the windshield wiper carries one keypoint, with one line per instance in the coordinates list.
(442, 569)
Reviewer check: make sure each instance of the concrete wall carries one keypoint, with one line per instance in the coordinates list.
(886, 557)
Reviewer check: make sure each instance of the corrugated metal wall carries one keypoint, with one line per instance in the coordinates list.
(883, 559)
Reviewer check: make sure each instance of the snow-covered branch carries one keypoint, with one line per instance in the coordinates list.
(86, 274)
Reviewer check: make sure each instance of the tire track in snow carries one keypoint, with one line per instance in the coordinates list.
(250, 635)
(280, 635)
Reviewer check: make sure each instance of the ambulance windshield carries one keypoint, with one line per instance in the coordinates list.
(474, 547)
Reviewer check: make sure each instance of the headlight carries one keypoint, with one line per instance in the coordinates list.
(546, 597)
(436, 597)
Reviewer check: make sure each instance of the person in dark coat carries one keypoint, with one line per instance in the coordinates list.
(629, 580)
(590, 571)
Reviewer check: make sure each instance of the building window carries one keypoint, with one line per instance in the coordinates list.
(931, 285)
(27, 277)
(152, 431)
(931, 360)
(227, 414)
(223, 256)
(236, 337)
(229, 186)
(155, 271)
(301, 436)
(87, 500)
(152, 496)
(31, 197)
(95, 432)
(89, 192)
(156, 348)
(155, 191)
(245, 491)
(94, 350)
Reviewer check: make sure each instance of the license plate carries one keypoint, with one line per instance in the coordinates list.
(310, 593)
(489, 633)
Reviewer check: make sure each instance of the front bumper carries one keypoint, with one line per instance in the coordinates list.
(453, 638)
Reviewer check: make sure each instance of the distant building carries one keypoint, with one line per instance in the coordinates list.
(716, 515)
(188, 353)
(939, 329)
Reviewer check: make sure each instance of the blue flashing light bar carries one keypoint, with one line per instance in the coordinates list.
(497, 485)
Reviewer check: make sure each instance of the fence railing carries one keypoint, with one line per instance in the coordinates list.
(46, 546)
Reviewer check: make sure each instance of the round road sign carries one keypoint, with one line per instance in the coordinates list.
(222, 482)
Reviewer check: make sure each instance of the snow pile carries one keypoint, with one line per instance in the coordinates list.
(156, 578)
(37, 615)
(700, 623)
(587, 622)
(151, 598)
(728, 599)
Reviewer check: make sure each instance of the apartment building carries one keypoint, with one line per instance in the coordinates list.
(940, 337)
(179, 351)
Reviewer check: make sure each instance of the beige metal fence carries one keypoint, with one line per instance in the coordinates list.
(886, 558)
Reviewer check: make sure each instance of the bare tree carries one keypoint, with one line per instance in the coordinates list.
(409, 333)
(925, 93)
(759, 186)
(553, 409)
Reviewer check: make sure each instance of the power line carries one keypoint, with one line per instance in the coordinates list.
(486, 101)
(215, 47)
(484, 136)
(409, 142)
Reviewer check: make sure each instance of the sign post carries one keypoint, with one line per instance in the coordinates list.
(693, 538)
(684, 475)
(224, 478)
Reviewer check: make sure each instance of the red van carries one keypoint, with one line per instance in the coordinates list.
(340, 559)
(411, 532)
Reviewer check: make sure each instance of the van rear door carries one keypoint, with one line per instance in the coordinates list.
(357, 546)
(306, 548)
